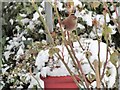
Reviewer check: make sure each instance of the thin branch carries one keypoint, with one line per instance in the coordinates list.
(59, 21)
(70, 72)
(78, 63)
(105, 64)
(43, 21)
(34, 78)
(98, 39)
(90, 64)
(79, 41)
(115, 22)
(107, 47)
(99, 56)
(97, 74)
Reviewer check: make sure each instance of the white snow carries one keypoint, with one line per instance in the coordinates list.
(23, 38)
(31, 25)
(111, 79)
(7, 54)
(111, 7)
(44, 42)
(17, 27)
(60, 6)
(19, 52)
(41, 59)
(114, 15)
(100, 18)
(41, 31)
(93, 48)
(36, 14)
(11, 21)
(4, 69)
(107, 18)
(25, 20)
(80, 26)
(22, 15)
(77, 2)
(51, 70)
(36, 82)
(113, 28)
(19, 87)
(85, 16)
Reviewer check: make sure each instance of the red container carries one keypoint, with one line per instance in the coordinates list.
(59, 83)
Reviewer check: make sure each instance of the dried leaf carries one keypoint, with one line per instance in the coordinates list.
(106, 32)
(70, 6)
(95, 22)
(33, 52)
(114, 58)
(52, 51)
(70, 3)
(108, 73)
(91, 77)
(88, 54)
(94, 4)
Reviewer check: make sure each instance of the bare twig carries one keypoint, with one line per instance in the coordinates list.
(105, 64)
(43, 21)
(78, 63)
(99, 56)
(34, 77)
(70, 72)
(59, 21)
(98, 39)
(107, 47)
(90, 64)
(97, 74)
(115, 21)
(79, 41)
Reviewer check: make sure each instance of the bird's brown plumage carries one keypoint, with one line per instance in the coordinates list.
(70, 23)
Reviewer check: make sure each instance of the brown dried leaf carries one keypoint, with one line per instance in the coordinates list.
(95, 4)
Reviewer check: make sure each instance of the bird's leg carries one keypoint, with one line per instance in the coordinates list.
(69, 40)
(65, 33)
(62, 51)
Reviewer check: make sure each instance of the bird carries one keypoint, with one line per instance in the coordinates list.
(70, 22)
